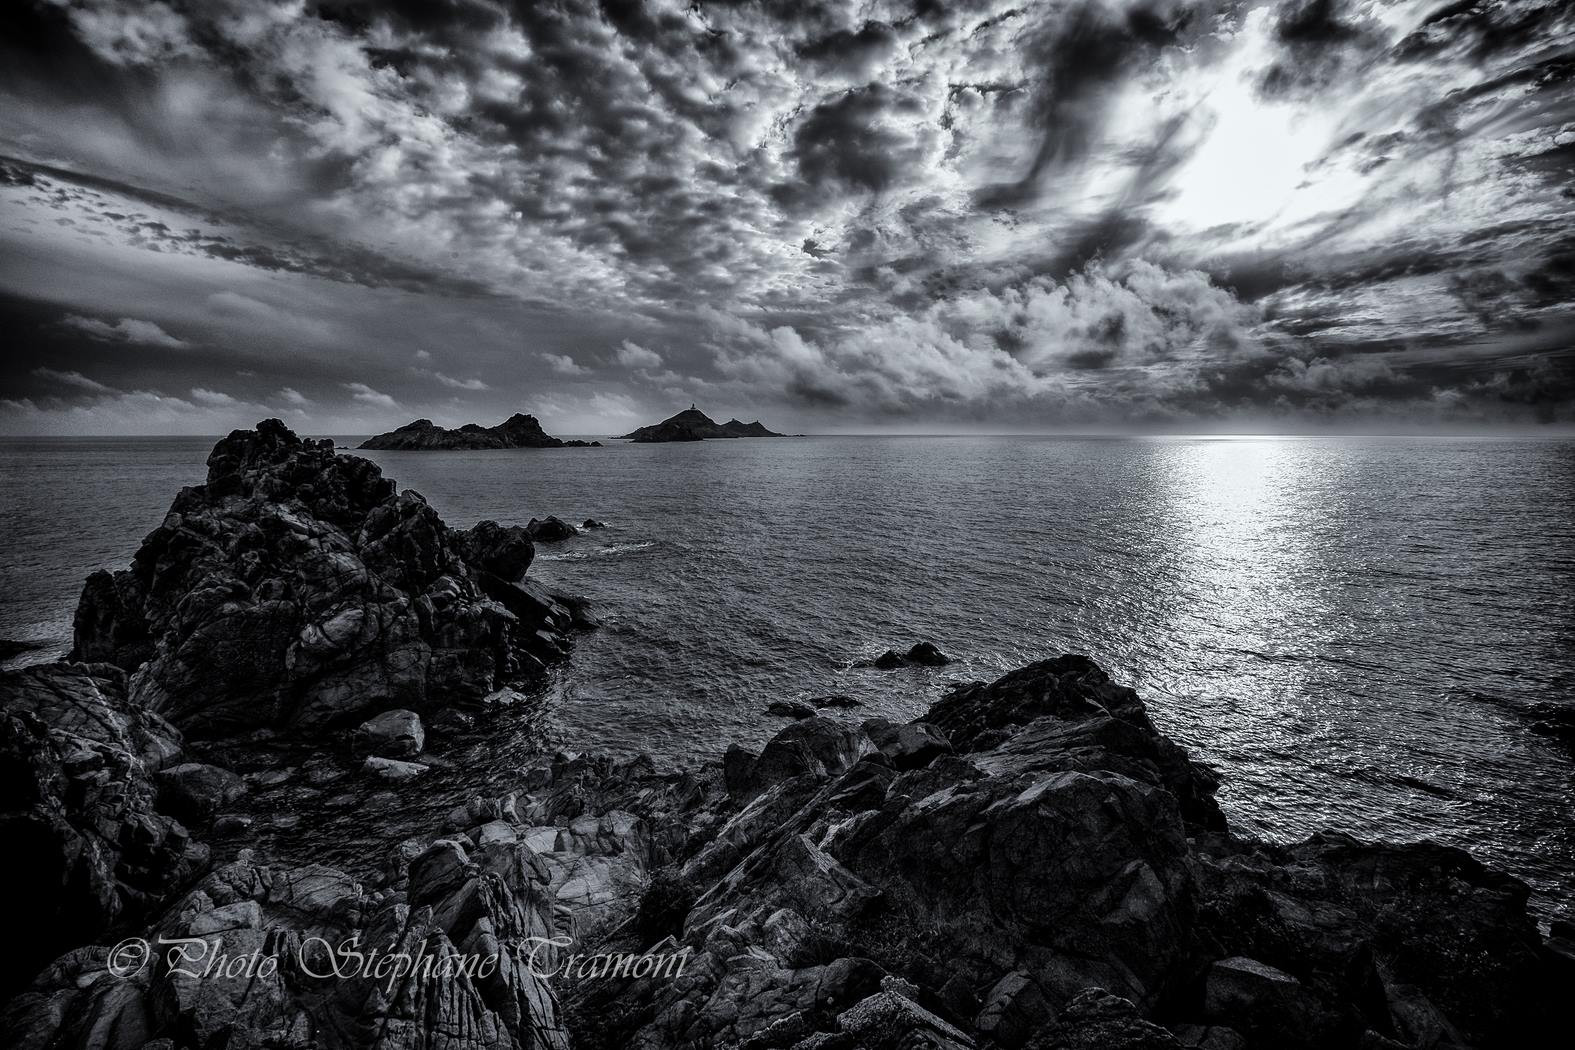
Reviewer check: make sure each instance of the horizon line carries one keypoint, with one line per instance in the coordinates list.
(1555, 430)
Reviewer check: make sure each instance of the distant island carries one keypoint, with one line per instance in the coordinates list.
(518, 431)
(694, 425)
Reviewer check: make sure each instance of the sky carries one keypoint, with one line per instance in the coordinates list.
(900, 215)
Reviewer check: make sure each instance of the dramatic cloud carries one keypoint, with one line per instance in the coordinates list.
(873, 212)
(125, 330)
(459, 384)
(72, 379)
(366, 395)
(563, 364)
(633, 355)
(212, 397)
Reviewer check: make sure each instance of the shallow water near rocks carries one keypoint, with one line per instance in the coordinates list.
(1376, 635)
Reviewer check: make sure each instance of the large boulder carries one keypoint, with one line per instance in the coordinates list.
(392, 734)
(908, 745)
(1068, 706)
(504, 551)
(297, 589)
(196, 791)
(817, 745)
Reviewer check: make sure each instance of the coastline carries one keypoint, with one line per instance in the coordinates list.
(969, 878)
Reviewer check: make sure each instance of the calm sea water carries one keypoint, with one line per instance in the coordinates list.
(1359, 633)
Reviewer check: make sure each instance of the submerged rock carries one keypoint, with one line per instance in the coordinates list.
(922, 654)
(790, 709)
(551, 529)
(835, 700)
(10, 647)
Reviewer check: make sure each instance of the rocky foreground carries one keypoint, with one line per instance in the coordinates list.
(1030, 864)
(518, 431)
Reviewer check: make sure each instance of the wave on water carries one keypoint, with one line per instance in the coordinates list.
(596, 552)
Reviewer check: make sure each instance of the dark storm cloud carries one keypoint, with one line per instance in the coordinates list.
(1054, 209)
(852, 55)
(1080, 59)
(93, 199)
(863, 141)
(1319, 40)
(1476, 28)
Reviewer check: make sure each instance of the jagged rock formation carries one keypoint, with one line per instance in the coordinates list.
(1031, 865)
(79, 810)
(478, 897)
(694, 425)
(1058, 875)
(518, 431)
(298, 589)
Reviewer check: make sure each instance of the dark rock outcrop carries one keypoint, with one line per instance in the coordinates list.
(89, 845)
(907, 746)
(1033, 864)
(693, 425)
(298, 589)
(466, 896)
(1030, 865)
(550, 529)
(518, 431)
(922, 654)
(10, 648)
(835, 700)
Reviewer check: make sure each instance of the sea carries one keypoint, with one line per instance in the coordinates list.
(1369, 634)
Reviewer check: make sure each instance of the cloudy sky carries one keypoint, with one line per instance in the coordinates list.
(900, 214)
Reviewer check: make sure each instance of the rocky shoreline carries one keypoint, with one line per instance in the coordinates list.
(1030, 864)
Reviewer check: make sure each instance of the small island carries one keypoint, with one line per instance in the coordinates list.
(694, 425)
(518, 431)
